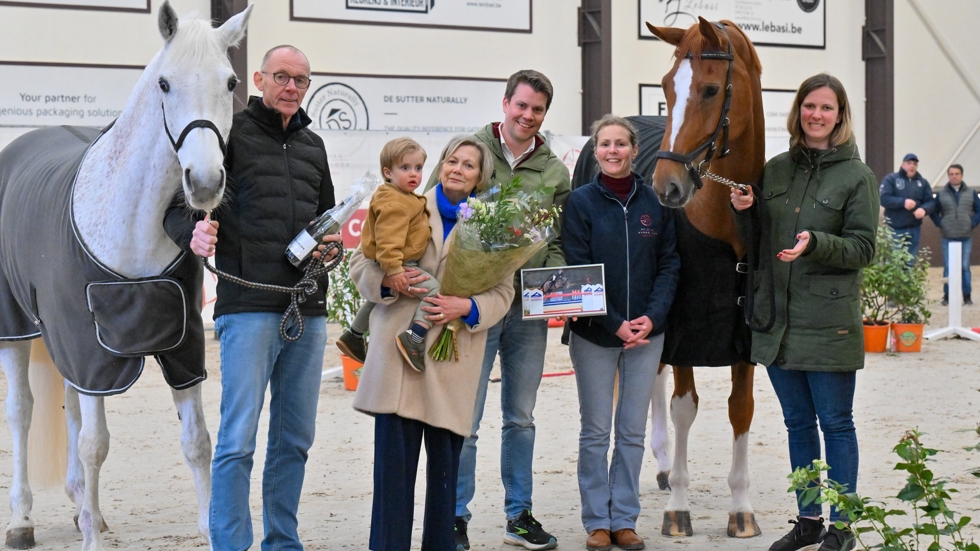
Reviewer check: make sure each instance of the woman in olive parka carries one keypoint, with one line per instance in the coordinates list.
(819, 211)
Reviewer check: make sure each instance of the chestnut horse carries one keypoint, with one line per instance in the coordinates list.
(714, 97)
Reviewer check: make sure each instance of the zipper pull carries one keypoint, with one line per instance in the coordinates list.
(283, 147)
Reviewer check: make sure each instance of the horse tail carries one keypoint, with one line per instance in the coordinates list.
(47, 443)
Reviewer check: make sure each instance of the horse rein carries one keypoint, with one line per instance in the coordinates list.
(703, 168)
(298, 293)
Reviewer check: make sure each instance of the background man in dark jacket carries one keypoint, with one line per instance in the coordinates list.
(957, 213)
(907, 199)
(278, 181)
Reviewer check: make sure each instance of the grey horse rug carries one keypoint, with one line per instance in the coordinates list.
(97, 324)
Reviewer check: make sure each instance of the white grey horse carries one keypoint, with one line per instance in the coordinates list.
(170, 135)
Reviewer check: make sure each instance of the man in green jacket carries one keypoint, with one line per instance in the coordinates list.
(518, 150)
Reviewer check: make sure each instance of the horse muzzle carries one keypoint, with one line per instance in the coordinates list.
(203, 189)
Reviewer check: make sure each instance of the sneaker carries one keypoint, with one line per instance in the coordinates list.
(459, 532)
(526, 531)
(413, 352)
(806, 532)
(967, 301)
(945, 301)
(352, 346)
(838, 540)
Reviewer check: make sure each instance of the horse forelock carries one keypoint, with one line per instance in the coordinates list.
(194, 45)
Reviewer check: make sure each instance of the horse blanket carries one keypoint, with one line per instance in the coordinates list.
(97, 324)
(705, 325)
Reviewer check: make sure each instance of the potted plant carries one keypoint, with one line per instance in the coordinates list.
(878, 285)
(911, 303)
(343, 301)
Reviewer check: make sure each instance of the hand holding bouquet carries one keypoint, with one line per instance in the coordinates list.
(496, 233)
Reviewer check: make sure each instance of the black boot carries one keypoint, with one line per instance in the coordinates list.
(967, 301)
(806, 532)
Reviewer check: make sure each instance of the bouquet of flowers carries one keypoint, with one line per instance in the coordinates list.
(496, 233)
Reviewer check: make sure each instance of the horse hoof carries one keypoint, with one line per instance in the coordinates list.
(677, 524)
(743, 525)
(20, 538)
(662, 480)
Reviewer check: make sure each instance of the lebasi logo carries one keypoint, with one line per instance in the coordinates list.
(337, 106)
(808, 5)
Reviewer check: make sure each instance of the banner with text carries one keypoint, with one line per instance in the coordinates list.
(766, 22)
(46, 95)
(776, 104)
(397, 104)
(496, 15)
(112, 5)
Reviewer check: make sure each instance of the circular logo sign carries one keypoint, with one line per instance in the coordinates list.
(808, 5)
(337, 106)
(908, 338)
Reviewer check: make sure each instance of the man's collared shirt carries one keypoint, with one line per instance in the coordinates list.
(509, 155)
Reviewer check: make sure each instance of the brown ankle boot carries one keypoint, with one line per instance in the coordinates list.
(598, 540)
(628, 540)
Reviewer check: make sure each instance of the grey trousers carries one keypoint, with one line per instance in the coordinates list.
(610, 492)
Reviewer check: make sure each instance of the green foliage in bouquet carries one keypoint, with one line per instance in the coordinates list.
(935, 527)
(496, 233)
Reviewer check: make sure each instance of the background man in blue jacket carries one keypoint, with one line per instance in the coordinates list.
(907, 199)
(957, 213)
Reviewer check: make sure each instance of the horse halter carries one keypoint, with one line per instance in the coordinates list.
(199, 123)
(688, 159)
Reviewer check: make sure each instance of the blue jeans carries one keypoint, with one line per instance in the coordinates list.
(913, 241)
(610, 492)
(253, 357)
(521, 345)
(967, 247)
(806, 396)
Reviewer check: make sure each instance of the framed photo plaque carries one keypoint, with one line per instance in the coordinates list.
(563, 291)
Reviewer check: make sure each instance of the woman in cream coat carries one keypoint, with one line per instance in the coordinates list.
(434, 406)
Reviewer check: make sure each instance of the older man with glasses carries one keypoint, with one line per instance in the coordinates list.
(278, 181)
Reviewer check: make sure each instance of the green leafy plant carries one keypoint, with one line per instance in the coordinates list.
(935, 527)
(893, 287)
(343, 300)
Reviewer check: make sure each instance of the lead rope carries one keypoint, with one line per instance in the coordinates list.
(298, 293)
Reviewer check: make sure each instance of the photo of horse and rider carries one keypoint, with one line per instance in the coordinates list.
(564, 291)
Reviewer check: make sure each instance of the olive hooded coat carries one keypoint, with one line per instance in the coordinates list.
(834, 196)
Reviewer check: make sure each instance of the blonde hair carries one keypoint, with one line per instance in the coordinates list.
(486, 157)
(842, 130)
(396, 149)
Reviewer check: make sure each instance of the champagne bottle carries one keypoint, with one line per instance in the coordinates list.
(301, 248)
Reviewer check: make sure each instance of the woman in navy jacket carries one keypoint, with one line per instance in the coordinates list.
(616, 220)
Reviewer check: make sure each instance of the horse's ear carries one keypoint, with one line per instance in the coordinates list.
(670, 35)
(710, 33)
(232, 31)
(167, 21)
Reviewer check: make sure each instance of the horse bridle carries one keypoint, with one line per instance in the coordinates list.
(199, 123)
(702, 169)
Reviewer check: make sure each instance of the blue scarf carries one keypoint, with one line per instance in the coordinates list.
(448, 210)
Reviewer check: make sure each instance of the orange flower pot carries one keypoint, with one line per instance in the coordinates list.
(907, 337)
(875, 337)
(352, 372)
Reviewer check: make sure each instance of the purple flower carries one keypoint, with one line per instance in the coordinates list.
(465, 211)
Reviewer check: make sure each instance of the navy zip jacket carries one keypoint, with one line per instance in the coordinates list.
(636, 241)
(896, 188)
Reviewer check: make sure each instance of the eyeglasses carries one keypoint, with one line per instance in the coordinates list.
(282, 79)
